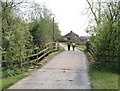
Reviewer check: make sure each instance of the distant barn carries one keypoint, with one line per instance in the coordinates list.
(73, 36)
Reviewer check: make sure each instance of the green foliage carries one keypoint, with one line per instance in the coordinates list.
(41, 32)
(57, 33)
(63, 39)
(106, 37)
(16, 35)
(20, 37)
(41, 27)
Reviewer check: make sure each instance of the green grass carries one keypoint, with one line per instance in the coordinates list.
(61, 49)
(9, 81)
(81, 47)
(103, 79)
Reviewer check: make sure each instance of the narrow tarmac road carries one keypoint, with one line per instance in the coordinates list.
(67, 70)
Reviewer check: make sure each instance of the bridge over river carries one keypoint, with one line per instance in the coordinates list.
(67, 70)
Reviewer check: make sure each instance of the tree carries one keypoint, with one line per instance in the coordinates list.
(106, 38)
(16, 36)
(42, 25)
(21, 36)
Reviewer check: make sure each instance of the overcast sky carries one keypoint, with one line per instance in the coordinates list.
(68, 15)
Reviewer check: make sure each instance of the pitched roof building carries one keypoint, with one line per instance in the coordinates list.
(83, 39)
(72, 36)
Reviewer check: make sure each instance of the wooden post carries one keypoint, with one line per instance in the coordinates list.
(37, 55)
(56, 46)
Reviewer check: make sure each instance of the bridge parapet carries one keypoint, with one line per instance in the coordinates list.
(33, 56)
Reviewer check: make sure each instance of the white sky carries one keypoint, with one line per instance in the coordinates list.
(68, 15)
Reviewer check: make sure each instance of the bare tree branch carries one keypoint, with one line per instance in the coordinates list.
(91, 8)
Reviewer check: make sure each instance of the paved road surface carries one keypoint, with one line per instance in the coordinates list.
(67, 70)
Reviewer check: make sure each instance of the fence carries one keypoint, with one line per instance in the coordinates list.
(90, 49)
(34, 58)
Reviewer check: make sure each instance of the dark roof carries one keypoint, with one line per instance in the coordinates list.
(71, 34)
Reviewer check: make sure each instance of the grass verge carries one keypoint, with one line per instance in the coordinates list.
(81, 47)
(7, 82)
(103, 79)
(61, 49)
